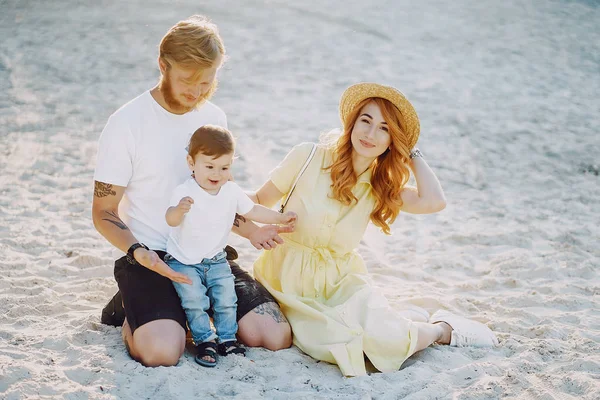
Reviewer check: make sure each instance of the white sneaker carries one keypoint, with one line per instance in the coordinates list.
(466, 332)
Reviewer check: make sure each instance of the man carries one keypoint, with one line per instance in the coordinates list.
(141, 159)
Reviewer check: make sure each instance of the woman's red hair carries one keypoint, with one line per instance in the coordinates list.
(390, 169)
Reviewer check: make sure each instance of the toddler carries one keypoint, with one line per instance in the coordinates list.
(201, 213)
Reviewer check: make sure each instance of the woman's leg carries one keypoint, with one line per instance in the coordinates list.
(454, 330)
(432, 333)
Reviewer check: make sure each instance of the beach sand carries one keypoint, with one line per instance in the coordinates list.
(507, 93)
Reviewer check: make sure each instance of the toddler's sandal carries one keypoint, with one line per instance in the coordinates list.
(206, 349)
(231, 347)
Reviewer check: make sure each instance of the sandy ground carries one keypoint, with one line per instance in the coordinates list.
(508, 98)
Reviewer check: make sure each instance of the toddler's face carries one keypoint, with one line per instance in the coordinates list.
(211, 173)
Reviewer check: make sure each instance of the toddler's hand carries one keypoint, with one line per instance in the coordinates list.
(289, 218)
(185, 204)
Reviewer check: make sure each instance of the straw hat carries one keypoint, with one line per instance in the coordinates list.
(361, 91)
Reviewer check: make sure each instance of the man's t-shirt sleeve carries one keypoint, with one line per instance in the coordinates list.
(114, 162)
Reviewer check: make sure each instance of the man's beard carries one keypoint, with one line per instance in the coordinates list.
(167, 92)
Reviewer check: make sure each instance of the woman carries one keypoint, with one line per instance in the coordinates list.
(317, 277)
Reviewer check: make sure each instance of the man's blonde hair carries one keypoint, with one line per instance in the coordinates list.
(193, 43)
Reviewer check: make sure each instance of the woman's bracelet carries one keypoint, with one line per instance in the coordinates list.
(415, 153)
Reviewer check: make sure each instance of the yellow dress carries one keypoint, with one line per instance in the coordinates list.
(321, 282)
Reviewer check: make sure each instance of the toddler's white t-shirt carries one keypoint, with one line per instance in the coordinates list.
(205, 228)
(143, 147)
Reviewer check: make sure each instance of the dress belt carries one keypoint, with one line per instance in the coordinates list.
(323, 252)
(326, 260)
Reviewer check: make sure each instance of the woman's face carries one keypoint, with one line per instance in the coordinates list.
(370, 136)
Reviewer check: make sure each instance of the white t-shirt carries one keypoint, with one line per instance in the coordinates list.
(205, 228)
(143, 147)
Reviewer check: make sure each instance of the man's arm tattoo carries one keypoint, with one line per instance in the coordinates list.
(118, 221)
(272, 310)
(102, 189)
(238, 218)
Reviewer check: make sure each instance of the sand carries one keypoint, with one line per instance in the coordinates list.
(507, 93)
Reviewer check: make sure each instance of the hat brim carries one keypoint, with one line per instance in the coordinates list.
(355, 94)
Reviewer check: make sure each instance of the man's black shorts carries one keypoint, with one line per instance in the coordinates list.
(148, 296)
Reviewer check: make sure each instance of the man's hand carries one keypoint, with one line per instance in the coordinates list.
(152, 261)
(267, 236)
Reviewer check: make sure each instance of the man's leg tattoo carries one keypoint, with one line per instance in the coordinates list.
(270, 309)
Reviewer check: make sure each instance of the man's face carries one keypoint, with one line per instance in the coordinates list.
(182, 92)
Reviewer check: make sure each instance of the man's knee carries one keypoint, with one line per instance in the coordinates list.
(279, 338)
(165, 356)
(159, 344)
(258, 331)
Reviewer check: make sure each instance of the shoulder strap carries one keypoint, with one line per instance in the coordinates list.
(310, 156)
